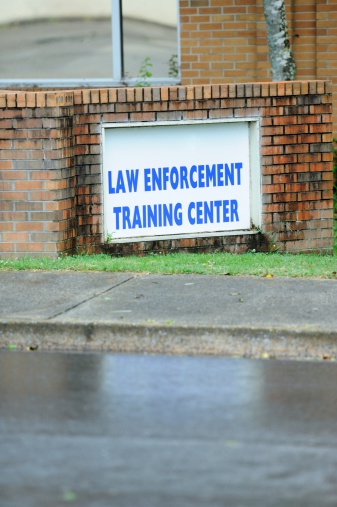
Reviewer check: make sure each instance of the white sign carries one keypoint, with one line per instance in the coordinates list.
(176, 179)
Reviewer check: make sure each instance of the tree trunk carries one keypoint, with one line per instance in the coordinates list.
(282, 62)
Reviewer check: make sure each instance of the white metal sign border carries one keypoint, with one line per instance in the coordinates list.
(254, 181)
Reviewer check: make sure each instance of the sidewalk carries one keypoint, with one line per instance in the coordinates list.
(174, 314)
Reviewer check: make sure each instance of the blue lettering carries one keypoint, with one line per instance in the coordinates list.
(168, 214)
(178, 214)
(225, 211)
(157, 179)
(210, 175)
(198, 176)
(165, 176)
(147, 182)
(201, 176)
(136, 219)
(238, 167)
(152, 215)
(183, 177)
(220, 174)
(126, 217)
(132, 177)
(144, 216)
(229, 174)
(234, 211)
(199, 212)
(191, 206)
(208, 211)
(193, 171)
(111, 188)
(174, 178)
(120, 187)
(160, 216)
(117, 211)
(217, 204)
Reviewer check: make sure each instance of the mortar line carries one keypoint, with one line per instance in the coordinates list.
(89, 299)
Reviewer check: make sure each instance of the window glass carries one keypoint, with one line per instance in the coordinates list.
(150, 38)
(49, 40)
(45, 42)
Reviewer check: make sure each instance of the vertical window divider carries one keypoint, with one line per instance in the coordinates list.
(117, 40)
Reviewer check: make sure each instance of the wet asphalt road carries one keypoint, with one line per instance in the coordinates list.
(162, 431)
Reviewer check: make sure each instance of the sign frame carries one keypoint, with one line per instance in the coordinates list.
(255, 194)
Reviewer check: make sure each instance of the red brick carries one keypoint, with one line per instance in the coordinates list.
(272, 189)
(285, 159)
(29, 226)
(297, 187)
(28, 185)
(30, 247)
(309, 196)
(271, 150)
(18, 237)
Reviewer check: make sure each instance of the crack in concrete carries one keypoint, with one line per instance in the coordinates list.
(89, 299)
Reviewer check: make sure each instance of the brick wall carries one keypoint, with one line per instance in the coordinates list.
(226, 41)
(50, 164)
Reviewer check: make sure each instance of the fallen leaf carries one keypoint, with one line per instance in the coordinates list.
(69, 496)
(269, 275)
(231, 443)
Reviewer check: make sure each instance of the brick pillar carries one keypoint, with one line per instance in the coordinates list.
(326, 47)
(37, 173)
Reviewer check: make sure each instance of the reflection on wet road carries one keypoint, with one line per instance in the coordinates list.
(102, 430)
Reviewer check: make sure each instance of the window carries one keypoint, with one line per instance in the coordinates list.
(48, 45)
(150, 43)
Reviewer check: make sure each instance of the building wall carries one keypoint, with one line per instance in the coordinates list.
(224, 41)
(50, 164)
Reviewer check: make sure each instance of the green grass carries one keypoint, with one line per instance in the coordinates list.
(256, 264)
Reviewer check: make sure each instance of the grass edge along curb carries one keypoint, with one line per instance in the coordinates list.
(254, 264)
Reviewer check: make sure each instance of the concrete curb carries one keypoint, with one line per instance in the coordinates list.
(281, 342)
